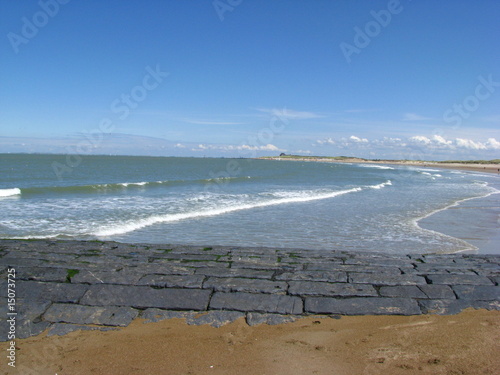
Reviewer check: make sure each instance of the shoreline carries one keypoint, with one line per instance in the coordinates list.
(486, 168)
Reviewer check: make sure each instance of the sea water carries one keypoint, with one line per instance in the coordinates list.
(246, 202)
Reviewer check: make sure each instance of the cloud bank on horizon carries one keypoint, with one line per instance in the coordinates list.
(391, 79)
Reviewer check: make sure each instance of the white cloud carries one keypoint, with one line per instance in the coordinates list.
(470, 144)
(414, 117)
(420, 139)
(440, 140)
(328, 141)
(493, 144)
(179, 145)
(357, 139)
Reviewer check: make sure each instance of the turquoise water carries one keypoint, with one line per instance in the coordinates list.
(243, 202)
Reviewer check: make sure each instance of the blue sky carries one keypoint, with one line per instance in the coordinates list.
(377, 79)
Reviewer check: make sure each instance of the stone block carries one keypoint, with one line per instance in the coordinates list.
(362, 306)
(235, 272)
(248, 302)
(216, 318)
(145, 296)
(449, 279)
(78, 314)
(222, 284)
(333, 277)
(454, 306)
(436, 291)
(478, 292)
(124, 277)
(173, 281)
(311, 288)
(402, 291)
(382, 279)
(254, 319)
(55, 292)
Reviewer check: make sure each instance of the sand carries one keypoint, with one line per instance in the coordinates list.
(483, 168)
(467, 343)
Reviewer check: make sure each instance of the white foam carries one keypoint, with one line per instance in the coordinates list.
(133, 183)
(282, 198)
(379, 186)
(9, 192)
(156, 219)
(376, 166)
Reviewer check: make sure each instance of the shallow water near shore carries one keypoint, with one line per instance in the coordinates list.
(245, 202)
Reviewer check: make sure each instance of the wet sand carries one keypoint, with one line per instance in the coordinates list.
(467, 343)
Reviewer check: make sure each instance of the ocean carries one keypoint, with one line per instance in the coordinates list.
(247, 202)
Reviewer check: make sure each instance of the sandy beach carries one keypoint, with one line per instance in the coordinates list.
(488, 168)
(467, 343)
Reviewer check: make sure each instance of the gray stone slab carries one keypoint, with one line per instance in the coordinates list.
(26, 310)
(436, 291)
(268, 303)
(478, 292)
(145, 296)
(333, 277)
(454, 306)
(229, 284)
(459, 279)
(163, 269)
(235, 272)
(28, 329)
(124, 277)
(25, 262)
(387, 262)
(61, 329)
(55, 292)
(259, 266)
(153, 315)
(41, 274)
(216, 318)
(362, 306)
(254, 319)
(199, 256)
(402, 291)
(311, 288)
(190, 263)
(173, 281)
(382, 279)
(78, 314)
(24, 327)
(354, 268)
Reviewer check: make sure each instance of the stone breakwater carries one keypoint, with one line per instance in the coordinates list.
(67, 285)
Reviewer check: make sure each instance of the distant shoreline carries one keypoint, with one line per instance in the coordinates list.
(467, 166)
